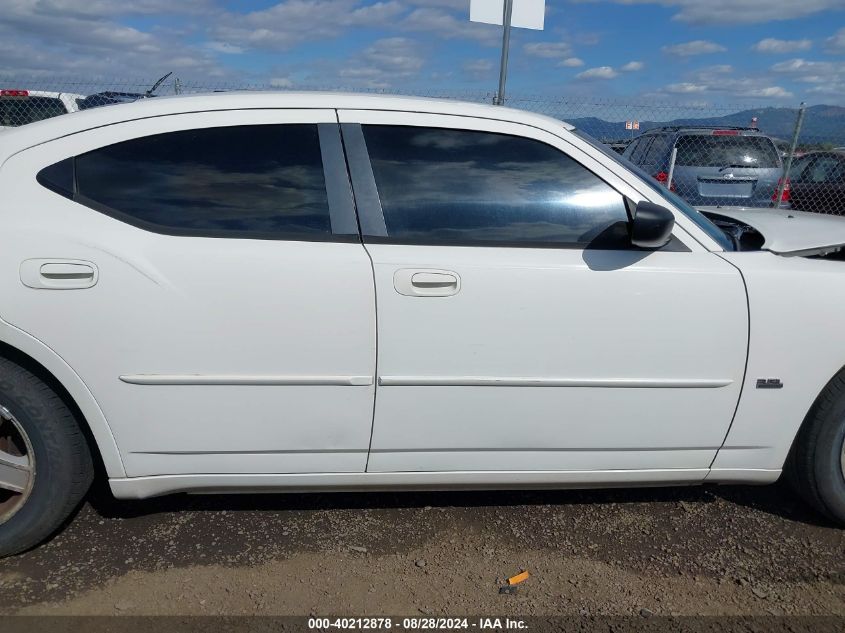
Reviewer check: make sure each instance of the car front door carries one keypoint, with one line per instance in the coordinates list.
(204, 276)
(518, 330)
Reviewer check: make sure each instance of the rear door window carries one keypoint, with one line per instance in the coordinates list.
(16, 111)
(700, 150)
(245, 181)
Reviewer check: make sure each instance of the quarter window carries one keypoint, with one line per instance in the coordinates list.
(240, 181)
(468, 187)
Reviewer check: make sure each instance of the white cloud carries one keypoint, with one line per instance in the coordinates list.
(281, 82)
(804, 67)
(446, 25)
(739, 12)
(571, 62)
(825, 77)
(768, 92)
(696, 47)
(41, 37)
(773, 45)
(685, 88)
(602, 72)
(383, 63)
(836, 43)
(722, 79)
(224, 47)
(288, 24)
(631, 67)
(549, 50)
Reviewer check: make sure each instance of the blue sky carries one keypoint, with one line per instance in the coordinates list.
(776, 52)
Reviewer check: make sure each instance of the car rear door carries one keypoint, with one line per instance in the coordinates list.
(517, 328)
(205, 278)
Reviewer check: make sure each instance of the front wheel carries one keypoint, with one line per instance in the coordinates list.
(45, 463)
(817, 464)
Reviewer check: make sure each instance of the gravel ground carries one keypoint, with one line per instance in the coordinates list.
(682, 551)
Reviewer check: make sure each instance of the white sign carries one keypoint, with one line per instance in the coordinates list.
(632, 125)
(527, 14)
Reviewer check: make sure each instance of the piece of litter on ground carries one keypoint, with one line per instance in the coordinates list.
(509, 589)
(520, 577)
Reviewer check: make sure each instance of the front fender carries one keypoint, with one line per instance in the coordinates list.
(797, 335)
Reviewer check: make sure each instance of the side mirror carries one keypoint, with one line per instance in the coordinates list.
(651, 226)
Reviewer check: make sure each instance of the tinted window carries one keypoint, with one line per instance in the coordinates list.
(657, 154)
(631, 148)
(826, 169)
(726, 151)
(249, 180)
(642, 148)
(15, 111)
(799, 167)
(58, 177)
(457, 186)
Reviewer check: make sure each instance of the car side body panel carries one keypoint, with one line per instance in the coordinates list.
(797, 308)
(795, 304)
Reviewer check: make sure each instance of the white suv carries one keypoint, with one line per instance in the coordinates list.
(259, 291)
(19, 107)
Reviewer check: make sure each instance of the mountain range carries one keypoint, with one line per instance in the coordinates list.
(822, 123)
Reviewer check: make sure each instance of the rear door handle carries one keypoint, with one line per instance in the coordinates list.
(58, 274)
(415, 282)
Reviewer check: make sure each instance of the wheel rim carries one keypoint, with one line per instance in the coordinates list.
(17, 465)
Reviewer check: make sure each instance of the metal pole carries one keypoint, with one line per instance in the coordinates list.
(672, 168)
(506, 44)
(798, 123)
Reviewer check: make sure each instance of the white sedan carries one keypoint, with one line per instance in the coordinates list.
(259, 291)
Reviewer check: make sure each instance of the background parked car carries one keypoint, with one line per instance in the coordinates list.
(714, 166)
(109, 98)
(818, 182)
(19, 107)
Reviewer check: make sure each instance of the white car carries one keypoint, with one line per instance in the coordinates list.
(20, 107)
(259, 291)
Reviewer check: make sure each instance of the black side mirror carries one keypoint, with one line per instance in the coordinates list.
(651, 226)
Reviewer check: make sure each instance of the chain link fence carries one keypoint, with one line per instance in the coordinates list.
(709, 154)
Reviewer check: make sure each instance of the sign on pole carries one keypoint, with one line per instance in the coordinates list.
(527, 14)
(632, 125)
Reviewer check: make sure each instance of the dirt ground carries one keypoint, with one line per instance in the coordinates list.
(681, 551)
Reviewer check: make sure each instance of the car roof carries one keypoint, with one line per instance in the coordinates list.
(42, 131)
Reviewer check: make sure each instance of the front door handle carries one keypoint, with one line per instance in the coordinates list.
(58, 274)
(415, 282)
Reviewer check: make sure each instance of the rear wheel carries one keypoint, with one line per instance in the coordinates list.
(817, 463)
(45, 464)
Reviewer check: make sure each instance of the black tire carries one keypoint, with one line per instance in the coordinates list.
(63, 466)
(815, 467)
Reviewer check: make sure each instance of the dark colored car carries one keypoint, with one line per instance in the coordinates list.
(108, 98)
(817, 182)
(714, 166)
